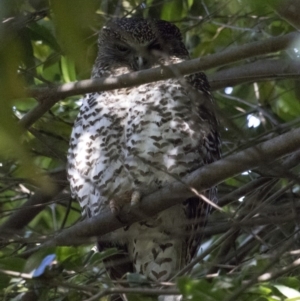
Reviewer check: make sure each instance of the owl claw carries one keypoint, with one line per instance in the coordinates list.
(135, 198)
(114, 208)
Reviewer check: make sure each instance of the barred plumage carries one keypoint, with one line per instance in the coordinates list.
(133, 141)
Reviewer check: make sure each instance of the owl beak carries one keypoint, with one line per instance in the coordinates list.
(140, 62)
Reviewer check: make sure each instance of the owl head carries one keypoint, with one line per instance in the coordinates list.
(137, 43)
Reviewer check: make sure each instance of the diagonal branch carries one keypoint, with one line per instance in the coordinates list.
(263, 154)
(257, 71)
(49, 96)
(36, 203)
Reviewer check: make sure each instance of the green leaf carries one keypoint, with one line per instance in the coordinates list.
(5, 279)
(172, 10)
(13, 264)
(288, 292)
(63, 253)
(68, 69)
(39, 31)
(73, 19)
(98, 257)
(292, 282)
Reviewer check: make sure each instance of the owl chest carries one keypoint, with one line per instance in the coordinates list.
(161, 134)
(140, 138)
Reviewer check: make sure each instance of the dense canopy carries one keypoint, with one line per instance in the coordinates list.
(250, 53)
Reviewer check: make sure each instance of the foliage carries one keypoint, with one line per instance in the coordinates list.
(50, 43)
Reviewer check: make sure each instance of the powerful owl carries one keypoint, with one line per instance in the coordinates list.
(129, 142)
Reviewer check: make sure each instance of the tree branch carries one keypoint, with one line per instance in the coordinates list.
(34, 205)
(257, 71)
(253, 222)
(288, 10)
(146, 291)
(49, 96)
(268, 175)
(262, 154)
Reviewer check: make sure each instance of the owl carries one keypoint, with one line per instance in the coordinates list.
(130, 142)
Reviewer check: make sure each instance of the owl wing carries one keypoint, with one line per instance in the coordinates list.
(80, 169)
(79, 157)
(197, 210)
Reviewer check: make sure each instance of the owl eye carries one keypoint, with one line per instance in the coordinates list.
(122, 48)
(155, 46)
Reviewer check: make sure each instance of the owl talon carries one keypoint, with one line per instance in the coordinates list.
(114, 208)
(135, 198)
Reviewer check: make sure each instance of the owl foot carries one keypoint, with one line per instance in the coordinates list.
(135, 198)
(114, 208)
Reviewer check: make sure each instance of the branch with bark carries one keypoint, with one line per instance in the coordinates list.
(264, 154)
(35, 204)
(233, 76)
(47, 97)
(253, 72)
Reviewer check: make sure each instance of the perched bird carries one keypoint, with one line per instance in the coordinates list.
(129, 142)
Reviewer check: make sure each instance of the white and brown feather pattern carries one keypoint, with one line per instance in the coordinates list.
(141, 139)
